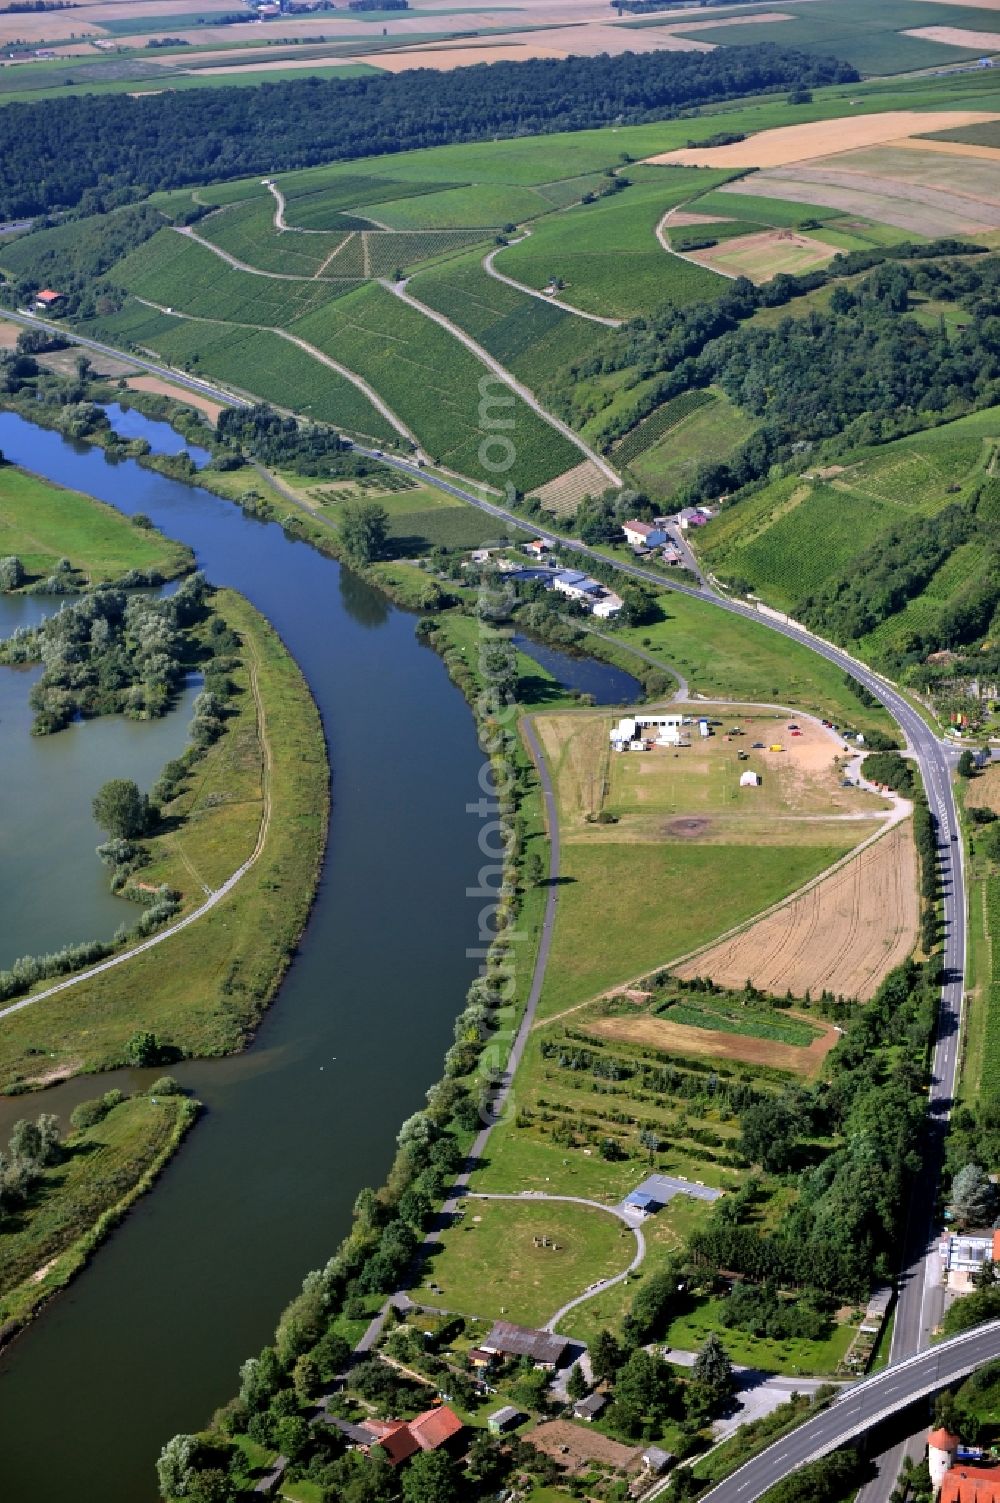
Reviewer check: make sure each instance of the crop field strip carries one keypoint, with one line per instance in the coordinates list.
(281, 373)
(788, 539)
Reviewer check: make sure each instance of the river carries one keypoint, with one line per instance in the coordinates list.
(148, 1341)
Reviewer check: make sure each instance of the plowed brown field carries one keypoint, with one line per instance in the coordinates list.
(844, 934)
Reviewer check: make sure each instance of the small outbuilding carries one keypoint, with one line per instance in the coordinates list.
(507, 1418)
(750, 780)
(655, 1460)
(589, 1408)
(641, 1204)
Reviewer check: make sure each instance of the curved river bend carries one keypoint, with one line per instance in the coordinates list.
(148, 1341)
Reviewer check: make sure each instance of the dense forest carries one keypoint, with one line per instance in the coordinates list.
(172, 139)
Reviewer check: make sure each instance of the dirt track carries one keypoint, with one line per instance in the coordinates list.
(844, 935)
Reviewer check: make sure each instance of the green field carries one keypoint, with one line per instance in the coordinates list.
(531, 338)
(790, 1356)
(41, 523)
(176, 272)
(433, 383)
(77, 1202)
(731, 658)
(530, 1282)
(987, 133)
(204, 989)
(717, 1016)
(710, 433)
(490, 204)
(607, 254)
(280, 372)
(609, 930)
(789, 539)
(870, 37)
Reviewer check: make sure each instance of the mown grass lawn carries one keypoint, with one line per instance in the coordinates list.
(41, 523)
(203, 990)
(491, 1266)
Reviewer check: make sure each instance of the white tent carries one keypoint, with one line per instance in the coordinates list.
(750, 780)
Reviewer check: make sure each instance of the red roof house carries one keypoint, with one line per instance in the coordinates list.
(47, 298)
(971, 1484)
(401, 1439)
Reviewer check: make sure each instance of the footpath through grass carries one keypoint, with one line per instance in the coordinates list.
(41, 523)
(78, 1202)
(202, 991)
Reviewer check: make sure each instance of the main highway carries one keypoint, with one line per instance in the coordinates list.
(918, 1306)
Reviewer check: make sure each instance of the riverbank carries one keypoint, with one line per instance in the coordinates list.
(103, 1170)
(42, 523)
(264, 781)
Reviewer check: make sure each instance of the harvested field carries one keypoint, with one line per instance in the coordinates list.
(984, 791)
(574, 1446)
(949, 148)
(680, 1038)
(564, 494)
(844, 934)
(162, 388)
(908, 206)
(766, 254)
(821, 138)
(957, 36)
(8, 335)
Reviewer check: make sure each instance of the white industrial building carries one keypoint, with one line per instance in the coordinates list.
(628, 735)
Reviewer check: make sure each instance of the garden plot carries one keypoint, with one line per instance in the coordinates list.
(844, 935)
(753, 1043)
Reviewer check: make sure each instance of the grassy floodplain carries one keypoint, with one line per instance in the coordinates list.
(41, 523)
(205, 988)
(78, 1202)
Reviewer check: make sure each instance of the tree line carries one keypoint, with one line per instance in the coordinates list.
(135, 146)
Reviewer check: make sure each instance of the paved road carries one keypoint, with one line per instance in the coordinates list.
(857, 1409)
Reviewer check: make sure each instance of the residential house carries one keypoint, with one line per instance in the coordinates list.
(643, 535)
(46, 300)
(963, 1255)
(692, 516)
(589, 1408)
(401, 1439)
(576, 585)
(537, 548)
(545, 1349)
(479, 1359)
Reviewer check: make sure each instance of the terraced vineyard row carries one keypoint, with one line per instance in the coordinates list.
(645, 434)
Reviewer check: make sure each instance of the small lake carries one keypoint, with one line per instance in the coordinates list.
(607, 684)
(129, 422)
(53, 888)
(148, 1341)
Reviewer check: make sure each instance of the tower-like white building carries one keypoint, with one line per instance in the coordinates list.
(941, 1448)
